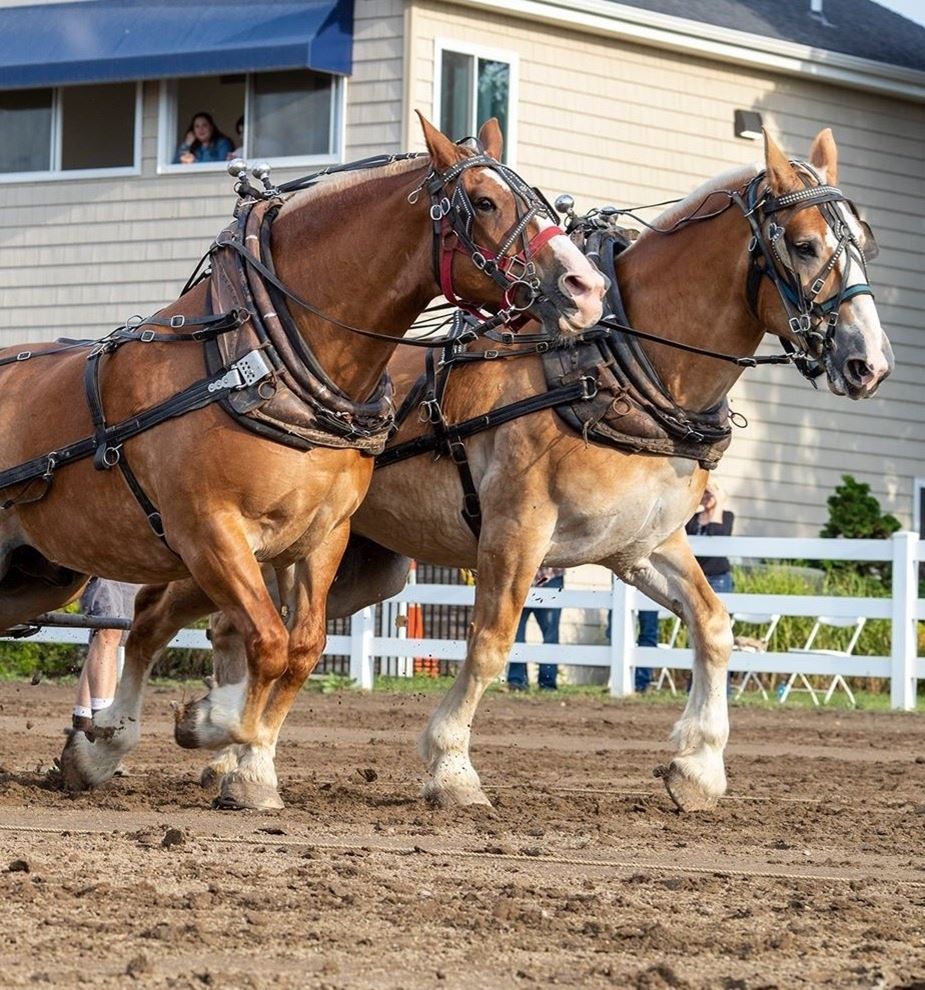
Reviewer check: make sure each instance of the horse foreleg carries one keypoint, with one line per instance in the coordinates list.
(696, 776)
(226, 570)
(160, 612)
(303, 590)
(503, 583)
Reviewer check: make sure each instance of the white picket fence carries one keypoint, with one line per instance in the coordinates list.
(902, 668)
(904, 610)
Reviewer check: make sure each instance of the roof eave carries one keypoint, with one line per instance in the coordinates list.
(664, 31)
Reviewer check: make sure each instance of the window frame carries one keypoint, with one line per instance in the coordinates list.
(167, 129)
(510, 58)
(56, 173)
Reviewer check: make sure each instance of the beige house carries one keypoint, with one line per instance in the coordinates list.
(614, 103)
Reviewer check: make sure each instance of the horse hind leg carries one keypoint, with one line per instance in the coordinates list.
(229, 666)
(160, 612)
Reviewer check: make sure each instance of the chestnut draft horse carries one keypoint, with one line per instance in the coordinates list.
(777, 249)
(275, 473)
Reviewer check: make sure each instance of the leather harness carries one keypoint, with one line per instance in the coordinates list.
(261, 370)
(601, 383)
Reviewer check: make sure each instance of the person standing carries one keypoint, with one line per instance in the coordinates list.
(713, 519)
(548, 621)
(96, 686)
(648, 636)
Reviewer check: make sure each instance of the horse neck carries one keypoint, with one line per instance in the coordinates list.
(690, 286)
(361, 255)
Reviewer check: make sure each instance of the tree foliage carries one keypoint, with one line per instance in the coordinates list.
(855, 514)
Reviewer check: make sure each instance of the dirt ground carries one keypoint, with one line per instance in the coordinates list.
(810, 874)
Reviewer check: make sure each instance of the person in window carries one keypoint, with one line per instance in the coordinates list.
(204, 142)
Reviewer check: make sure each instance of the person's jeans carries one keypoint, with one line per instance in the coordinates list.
(720, 583)
(548, 621)
(648, 636)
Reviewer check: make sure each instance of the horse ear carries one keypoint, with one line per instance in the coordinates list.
(443, 152)
(491, 137)
(781, 177)
(824, 155)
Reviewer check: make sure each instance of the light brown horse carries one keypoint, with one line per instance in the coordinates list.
(547, 496)
(361, 250)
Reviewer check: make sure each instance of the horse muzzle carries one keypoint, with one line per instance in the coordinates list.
(855, 368)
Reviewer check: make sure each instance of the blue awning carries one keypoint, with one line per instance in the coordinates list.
(121, 40)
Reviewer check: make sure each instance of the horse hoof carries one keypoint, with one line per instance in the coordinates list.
(454, 796)
(210, 778)
(193, 728)
(686, 793)
(81, 765)
(238, 794)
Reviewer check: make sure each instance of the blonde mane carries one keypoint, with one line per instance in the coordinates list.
(336, 183)
(732, 178)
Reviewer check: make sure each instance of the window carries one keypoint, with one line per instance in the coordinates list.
(76, 129)
(288, 117)
(472, 84)
(918, 507)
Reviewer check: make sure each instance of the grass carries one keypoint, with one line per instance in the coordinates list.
(866, 700)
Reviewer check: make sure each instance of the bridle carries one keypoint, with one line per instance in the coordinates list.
(813, 321)
(452, 215)
(770, 258)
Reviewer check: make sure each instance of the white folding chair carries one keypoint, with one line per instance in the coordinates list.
(767, 620)
(665, 674)
(838, 680)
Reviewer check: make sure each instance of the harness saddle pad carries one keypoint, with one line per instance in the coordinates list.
(630, 408)
(298, 405)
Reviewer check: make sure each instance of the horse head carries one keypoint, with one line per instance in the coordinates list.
(815, 251)
(509, 231)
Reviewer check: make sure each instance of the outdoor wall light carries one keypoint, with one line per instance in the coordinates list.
(748, 125)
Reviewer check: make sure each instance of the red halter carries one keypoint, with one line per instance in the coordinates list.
(514, 266)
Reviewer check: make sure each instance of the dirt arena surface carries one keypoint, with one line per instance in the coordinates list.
(810, 874)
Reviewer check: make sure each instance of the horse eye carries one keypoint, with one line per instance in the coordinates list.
(805, 249)
(484, 205)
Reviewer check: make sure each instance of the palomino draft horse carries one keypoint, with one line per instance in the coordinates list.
(275, 473)
(774, 250)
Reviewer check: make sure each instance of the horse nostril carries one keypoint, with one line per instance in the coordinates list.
(859, 371)
(575, 286)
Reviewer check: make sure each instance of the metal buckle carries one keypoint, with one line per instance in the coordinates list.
(800, 324)
(588, 387)
(816, 287)
(111, 455)
(231, 379)
(177, 321)
(147, 336)
(439, 210)
(24, 355)
(253, 367)
(490, 355)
